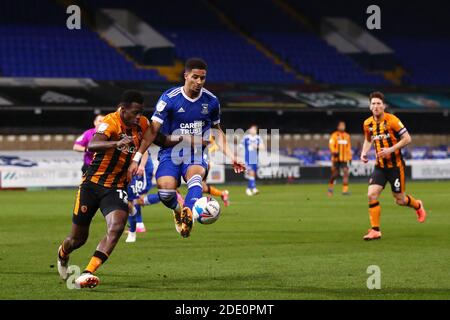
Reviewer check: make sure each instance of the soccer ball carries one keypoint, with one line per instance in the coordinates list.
(206, 210)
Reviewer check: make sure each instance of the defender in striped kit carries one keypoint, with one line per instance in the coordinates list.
(388, 135)
(104, 185)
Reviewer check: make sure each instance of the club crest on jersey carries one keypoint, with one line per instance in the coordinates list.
(205, 108)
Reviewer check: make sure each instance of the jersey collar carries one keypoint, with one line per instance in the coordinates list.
(190, 99)
(380, 120)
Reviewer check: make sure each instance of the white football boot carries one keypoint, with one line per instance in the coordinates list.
(62, 264)
(131, 237)
(87, 280)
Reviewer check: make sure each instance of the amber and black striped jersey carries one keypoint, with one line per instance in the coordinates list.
(340, 147)
(109, 168)
(384, 134)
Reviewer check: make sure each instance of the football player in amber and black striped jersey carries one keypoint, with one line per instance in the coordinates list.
(341, 155)
(104, 185)
(388, 135)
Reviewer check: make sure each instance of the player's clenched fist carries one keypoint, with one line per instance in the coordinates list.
(364, 158)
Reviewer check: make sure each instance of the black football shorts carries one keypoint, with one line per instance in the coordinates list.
(91, 197)
(395, 176)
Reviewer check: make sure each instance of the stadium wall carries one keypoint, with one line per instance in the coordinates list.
(29, 169)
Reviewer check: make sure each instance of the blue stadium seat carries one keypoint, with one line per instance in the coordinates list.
(230, 57)
(32, 47)
(417, 32)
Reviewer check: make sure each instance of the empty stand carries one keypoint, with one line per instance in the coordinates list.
(36, 43)
(290, 40)
(417, 31)
(197, 31)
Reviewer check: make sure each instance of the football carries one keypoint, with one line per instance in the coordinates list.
(206, 210)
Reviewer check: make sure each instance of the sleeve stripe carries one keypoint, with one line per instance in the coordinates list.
(155, 118)
(216, 122)
(402, 131)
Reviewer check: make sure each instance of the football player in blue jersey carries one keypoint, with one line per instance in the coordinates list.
(252, 144)
(138, 197)
(191, 112)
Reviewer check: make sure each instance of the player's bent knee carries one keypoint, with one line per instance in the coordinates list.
(167, 183)
(372, 196)
(168, 198)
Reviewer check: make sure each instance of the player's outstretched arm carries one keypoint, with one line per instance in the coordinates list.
(141, 168)
(101, 143)
(365, 149)
(223, 146)
(79, 148)
(166, 141)
(81, 143)
(147, 139)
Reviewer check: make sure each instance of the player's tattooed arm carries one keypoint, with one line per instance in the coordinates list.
(101, 143)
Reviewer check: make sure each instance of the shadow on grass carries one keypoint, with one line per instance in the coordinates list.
(239, 285)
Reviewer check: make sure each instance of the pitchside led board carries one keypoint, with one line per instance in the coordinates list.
(28, 169)
(34, 169)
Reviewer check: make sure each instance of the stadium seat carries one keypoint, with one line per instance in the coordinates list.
(32, 47)
(421, 48)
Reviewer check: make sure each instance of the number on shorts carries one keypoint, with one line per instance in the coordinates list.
(397, 183)
(123, 195)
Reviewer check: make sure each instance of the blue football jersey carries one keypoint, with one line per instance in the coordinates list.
(251, 147)
(181, 115)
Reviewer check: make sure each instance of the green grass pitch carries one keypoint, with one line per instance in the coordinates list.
(289, 242)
